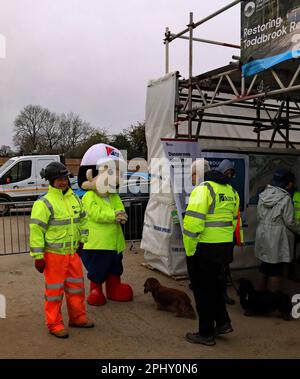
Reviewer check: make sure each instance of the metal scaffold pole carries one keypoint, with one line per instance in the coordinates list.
(167, 50)
(205, 19)
(190, 106)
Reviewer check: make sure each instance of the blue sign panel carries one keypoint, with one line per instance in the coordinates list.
(270, 33)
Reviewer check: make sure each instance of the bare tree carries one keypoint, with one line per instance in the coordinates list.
(28, 126)
(50, 133)
(74, 131)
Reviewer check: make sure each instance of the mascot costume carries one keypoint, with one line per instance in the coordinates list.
(99, 174)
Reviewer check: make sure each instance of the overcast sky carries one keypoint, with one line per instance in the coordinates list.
(95, 57)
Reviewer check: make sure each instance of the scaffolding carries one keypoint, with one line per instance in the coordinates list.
(273, 94)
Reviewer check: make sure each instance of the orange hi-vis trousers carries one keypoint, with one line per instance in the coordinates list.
(63, 274)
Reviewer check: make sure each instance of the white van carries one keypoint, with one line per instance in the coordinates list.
(20, 179)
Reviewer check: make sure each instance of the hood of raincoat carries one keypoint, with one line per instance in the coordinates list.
(272, 195)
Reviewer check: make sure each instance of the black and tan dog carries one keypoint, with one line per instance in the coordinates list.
(263, 302)
(170, 299)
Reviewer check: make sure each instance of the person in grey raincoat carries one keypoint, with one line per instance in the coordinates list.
(274, 233)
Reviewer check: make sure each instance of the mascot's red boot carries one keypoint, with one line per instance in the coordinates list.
(115, 290)
(96, 296)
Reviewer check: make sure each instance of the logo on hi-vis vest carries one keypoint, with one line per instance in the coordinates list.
(223, 197)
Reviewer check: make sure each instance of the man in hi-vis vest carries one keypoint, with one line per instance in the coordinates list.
(209, 225)
(58, 224)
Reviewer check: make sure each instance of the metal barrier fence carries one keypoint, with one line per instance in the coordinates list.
(135, 208)
(14, 225)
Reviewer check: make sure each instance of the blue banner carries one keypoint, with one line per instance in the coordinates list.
(270, 34)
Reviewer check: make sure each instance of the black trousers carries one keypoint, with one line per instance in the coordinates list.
(207, 280)
(293, 264)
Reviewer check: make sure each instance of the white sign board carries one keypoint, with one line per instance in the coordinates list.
(181, 154)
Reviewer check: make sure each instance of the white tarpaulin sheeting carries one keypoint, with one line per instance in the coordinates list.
(161, 238)
(160, 105)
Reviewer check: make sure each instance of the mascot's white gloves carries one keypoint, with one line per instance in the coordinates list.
(121, 217)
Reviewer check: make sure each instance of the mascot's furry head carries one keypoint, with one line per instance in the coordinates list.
(101, 169)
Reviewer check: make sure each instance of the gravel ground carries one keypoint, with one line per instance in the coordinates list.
(132, 330)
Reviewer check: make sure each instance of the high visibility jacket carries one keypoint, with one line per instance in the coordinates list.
(58, 223)
(211, 215)
(296, 202)
(104, 232)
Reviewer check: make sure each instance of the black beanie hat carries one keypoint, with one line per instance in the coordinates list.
(282, 178)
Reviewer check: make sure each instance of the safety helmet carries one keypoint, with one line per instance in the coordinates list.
(99, 155)
(54, 170)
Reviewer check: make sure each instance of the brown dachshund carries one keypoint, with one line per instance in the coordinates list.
(170, 299)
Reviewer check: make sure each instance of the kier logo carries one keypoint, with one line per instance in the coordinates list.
(111, 151)
(223, 197)
(108, 150)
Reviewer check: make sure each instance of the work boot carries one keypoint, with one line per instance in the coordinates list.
(115, 290)
(87, 324)
(96, 296)
(223, 329)
(60, 333)
(197, 338)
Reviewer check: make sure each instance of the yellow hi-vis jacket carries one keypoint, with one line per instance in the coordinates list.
(58, 223)
(211, 215)
(104, 232)
(296, 202)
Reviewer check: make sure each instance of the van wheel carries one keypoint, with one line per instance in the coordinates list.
(4, 208)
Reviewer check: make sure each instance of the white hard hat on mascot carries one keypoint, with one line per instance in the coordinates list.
(101, 153)
(98, 156)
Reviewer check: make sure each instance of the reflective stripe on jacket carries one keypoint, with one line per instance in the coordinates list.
(58, 223)
(296, 202)
(211, 215)
(104, 232)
